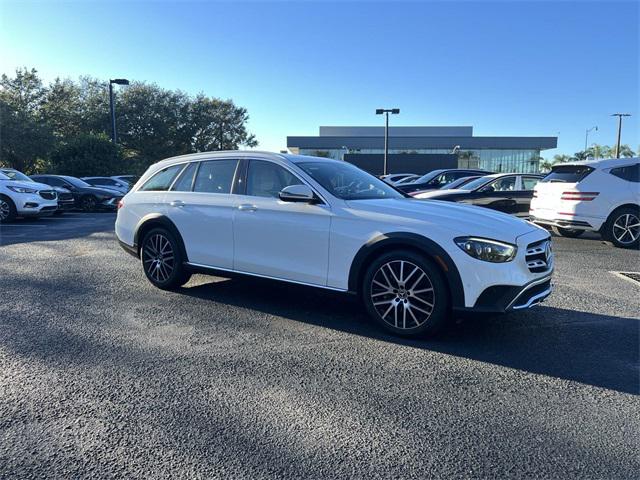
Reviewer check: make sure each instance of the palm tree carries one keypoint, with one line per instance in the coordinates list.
(561, 159)
(599, 151)
(544, 165)
(625, 151)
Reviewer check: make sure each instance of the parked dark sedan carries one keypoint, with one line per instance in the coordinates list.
(86, 197)
(438, 178)
(505, 192)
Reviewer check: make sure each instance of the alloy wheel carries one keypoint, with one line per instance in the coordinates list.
(158, 257)
(5, 210)
(402, 294)
(88, 203)
(626, 228)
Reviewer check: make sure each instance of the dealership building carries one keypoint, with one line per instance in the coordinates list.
(422, 149)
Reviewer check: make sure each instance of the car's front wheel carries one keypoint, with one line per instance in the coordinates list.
(88, 203)
(623, 228)
(406, 294)
(162, 260)
(568, 232)
(7, 209)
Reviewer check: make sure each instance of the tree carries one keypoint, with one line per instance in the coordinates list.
(561, 159)
(86, 155)
(61, 109)
(599, 151)
(545, 165)
(625, 151)
(25, 140)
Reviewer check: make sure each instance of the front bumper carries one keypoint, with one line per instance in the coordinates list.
(109, 204)
(66, 205)
(33, 205)
(507, 298)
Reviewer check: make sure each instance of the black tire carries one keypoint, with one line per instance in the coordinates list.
(417, 306)
(8, 211)
(567, 232)
(622, 228)
(162, 259)
(58, 212)
(88, 203)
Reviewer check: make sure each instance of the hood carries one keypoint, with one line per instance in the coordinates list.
(460, 219)
(60, 189)
(33, 185)
(103, 191)
(440, 193)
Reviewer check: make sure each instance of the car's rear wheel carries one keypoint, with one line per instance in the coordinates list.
(568, 232)
(406, 294)
(7, 209)
(88, 203)
(623, 228)
(162, 260)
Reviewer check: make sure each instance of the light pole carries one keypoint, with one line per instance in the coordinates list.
(112, 106)
(386, 111)
(586, 136)
(619, 115)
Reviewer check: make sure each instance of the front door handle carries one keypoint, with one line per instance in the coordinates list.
(247, 207)
(177, 203)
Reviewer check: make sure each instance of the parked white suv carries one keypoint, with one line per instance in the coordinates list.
(25, 199)
(598, 195)
(328, 224)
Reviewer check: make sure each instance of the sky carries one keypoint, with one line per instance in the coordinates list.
(508, 68)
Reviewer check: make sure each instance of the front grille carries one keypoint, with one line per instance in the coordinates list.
(48, 194)
(539, 256)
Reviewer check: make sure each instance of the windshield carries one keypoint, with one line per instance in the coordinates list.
(15, 175)
(3, 176)
(428, 176)
(76, 182)
(457, 183)
(348, 182)
(473, 184)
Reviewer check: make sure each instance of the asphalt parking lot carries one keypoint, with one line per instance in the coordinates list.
(101, 375)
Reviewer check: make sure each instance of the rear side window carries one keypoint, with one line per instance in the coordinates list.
(162, 180)
(631, 173)
(567, 174)
(185, 180)
(215, 176)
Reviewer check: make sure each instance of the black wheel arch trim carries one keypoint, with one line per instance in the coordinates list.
(409, 240)
(158, 220)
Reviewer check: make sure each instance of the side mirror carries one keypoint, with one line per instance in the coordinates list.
(297, 193)
(488, 189)
(69, 187)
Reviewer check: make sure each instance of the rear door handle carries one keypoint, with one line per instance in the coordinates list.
(177, 203)
(247, 207)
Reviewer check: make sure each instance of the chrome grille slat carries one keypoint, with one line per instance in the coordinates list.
(536, 256)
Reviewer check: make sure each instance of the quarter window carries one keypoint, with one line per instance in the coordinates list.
(215, 176)
(185, 180)
(630, 173)
(161, 181)
(266, 179)
(529, 182)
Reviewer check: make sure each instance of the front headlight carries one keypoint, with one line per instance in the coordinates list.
(487, 250)
(22, 189)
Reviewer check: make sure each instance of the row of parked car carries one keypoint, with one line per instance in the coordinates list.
(40, 195)
(599, 195)
(505, 192)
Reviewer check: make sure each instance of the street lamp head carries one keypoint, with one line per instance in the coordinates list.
(379, 111)
(395, 111)
(120, 81)
(620, 114)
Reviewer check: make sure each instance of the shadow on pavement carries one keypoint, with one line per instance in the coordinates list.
(63, 227)
(594, 349)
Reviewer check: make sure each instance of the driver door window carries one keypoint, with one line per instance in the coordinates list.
(505, 184)
(266, 179)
